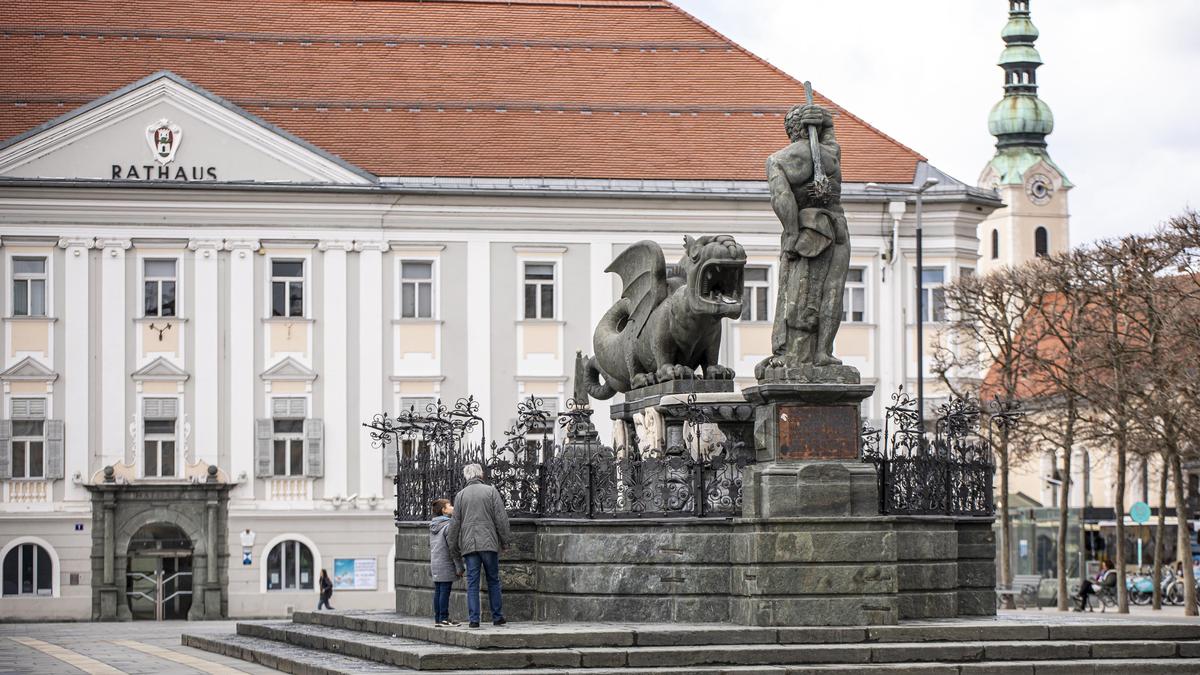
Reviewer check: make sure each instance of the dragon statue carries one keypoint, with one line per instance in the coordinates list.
(668, 321)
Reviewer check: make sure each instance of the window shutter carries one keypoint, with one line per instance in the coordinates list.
(262, 448)
(314, 447)
(29, 408)
(6, 448)
(289, 407)
(54, 449)
(160, 408)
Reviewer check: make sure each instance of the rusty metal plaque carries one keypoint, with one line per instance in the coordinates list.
(818, 432)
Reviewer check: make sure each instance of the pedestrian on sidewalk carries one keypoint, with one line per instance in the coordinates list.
(478, 534)
(326, 591)
(444, 568)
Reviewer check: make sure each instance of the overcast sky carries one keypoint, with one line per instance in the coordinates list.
(1121, 76)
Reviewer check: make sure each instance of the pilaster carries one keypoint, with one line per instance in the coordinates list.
(333, 366)
(599, 299)
(76, 316)
(208, 339)
(242, 382)
(113, 330)
(479, 313)
(370, 356)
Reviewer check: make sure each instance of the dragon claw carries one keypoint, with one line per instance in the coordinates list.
(718, 372)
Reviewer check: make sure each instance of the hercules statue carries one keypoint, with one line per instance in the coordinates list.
(805, 181)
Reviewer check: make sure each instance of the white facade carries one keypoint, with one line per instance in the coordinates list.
(308, 296)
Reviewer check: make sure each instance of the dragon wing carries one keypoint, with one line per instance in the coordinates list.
(643, 271)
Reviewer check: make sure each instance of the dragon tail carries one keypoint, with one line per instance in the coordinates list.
(590, 374)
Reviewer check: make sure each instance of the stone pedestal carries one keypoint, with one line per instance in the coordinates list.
(657, 417)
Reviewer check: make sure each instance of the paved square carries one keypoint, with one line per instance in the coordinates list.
(113, 648)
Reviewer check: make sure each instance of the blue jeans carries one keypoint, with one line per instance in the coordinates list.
(441, 600)
(490, 561)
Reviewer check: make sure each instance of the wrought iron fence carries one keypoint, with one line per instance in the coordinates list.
(578, 477)
(944, 472)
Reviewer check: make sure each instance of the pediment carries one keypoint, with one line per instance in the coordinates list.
(205, 139)
(160, 370)
(28, 369)
(290, 369)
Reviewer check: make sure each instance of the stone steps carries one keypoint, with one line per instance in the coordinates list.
(303, 661)
(550, 636)
(415, 654)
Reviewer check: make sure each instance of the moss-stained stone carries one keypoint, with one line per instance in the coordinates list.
(775, 572)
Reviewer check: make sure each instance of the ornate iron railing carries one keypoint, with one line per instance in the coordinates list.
(575, 478)
(946, 471)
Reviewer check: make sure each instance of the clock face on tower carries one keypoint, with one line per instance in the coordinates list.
(1039, 188)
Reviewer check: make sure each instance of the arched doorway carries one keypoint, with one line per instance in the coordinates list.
(158, 576)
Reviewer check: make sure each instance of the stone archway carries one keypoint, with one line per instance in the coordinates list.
(159, 573)
(199, 511)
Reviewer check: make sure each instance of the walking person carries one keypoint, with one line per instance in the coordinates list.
(478, 534)
(326, 591)
(444, 568)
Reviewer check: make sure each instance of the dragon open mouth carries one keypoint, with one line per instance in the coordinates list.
(721, 281)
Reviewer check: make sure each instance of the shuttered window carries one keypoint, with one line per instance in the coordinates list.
(27, 439)
(158, 440)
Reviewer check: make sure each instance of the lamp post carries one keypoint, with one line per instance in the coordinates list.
(920, 318)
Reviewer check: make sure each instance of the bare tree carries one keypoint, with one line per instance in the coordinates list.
(1119, 334)
(1053, 391)
(983, 335)
(1182, 235)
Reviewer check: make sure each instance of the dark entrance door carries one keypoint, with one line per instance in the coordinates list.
(158, 578)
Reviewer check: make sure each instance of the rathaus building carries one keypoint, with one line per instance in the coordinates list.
(230, 235)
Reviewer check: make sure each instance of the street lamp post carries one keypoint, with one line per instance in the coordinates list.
(920, 318)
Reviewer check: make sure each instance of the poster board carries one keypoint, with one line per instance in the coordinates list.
(355, 574)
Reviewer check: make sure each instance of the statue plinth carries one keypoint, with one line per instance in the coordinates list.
(806, 439)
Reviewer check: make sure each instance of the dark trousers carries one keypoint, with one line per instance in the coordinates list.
(490, 562)
(441, 600)
(1087, 589)
(324, 601)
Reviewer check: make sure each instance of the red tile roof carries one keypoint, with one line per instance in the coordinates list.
(535, 88)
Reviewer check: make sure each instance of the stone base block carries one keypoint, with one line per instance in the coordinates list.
(788, 489)
(777, 571)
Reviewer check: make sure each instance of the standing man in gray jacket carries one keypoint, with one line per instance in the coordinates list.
(478, 534)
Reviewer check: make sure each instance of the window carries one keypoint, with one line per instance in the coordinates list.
(287, 288)
(539, 290)
(416, 289)
(757, 293)
(28, 571)
(158, 441)
(854, 297)
(1041, 242)
(965, 272)
(28, 438)
(419, 406)
(933, 296)
(288, 439)
(159, 287)
(29, 287)
(289, 567)
(995, 244)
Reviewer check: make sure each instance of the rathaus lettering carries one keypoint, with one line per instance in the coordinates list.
(151, 172)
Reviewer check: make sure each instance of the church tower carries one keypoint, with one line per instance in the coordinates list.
(1034, 220)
